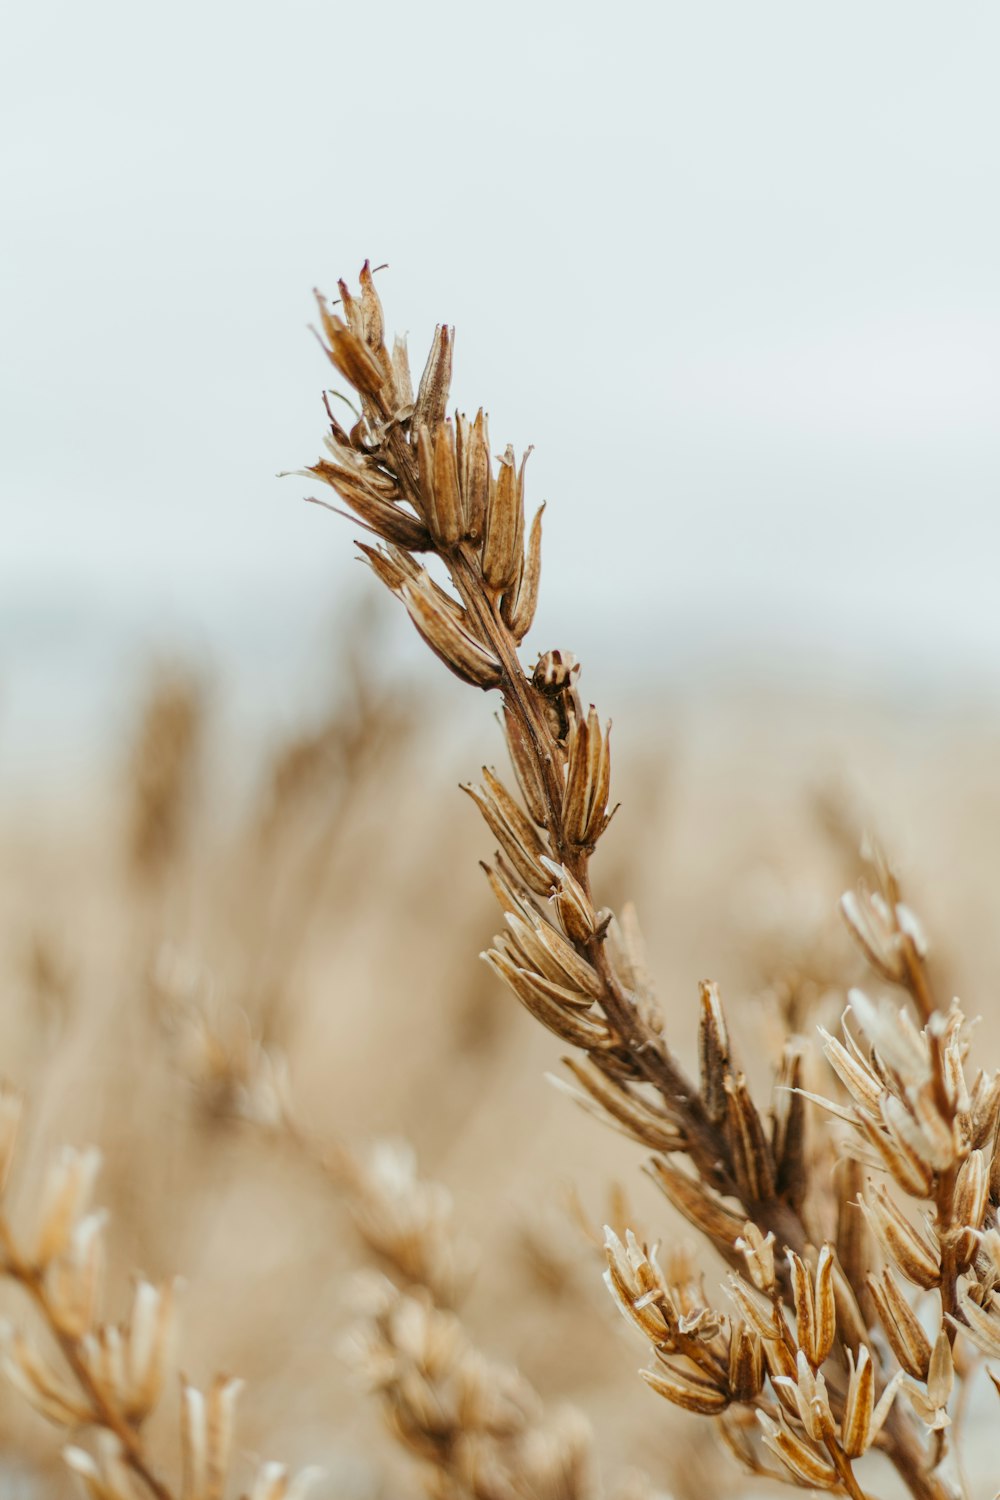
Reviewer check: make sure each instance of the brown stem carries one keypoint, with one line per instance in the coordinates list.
(644, 1045)
(842, 1464)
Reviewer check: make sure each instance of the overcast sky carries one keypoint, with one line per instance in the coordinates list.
(732, 268)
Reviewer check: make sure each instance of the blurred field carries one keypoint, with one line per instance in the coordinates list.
(335, 912)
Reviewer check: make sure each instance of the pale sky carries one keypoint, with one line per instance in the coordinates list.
(732, 268)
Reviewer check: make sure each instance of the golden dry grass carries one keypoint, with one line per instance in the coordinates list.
(259, 1009)
(333, 917)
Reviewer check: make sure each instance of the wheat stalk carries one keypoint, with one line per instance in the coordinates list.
(820, 1358)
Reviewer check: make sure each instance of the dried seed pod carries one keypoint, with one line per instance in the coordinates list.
(758, 1252)
(67, 1188)
(432, 393)
(982, 1324)
(894, 1036)
(699, 1204)
(549, 952)
(931, 1402)
(555, 672)
(588, 779)
(853, 1244)
(108, 1477)
(220, 1415)
(911, 927)
(74, 1278)
(453, 645)
(825, 1313)
(349, 355)
(425, 478)
(902, 1327)
(614, 1102)
(751, 1153)
(449, 518)
(805, 1310)
(860, 1081)
(812, 1403)
(863, 1419)
(509, 891)
(905, 1246)
(518, 605)
(637, 1285)
(860, 1404)
(40, 1385)
(518, 837)
(372, 320)
(911, 1174)
(687, 1390)
(782, 1370)
(970, 1203)
(600, 783)
(351, 307)
(555, 1010)
(575, 909)
(788, 1130)
(934, 1137)
(396, 568)
(353, 468)
(477, 480)
(870, 922)
(389, 566)
(149, 1345)
(104, 1356)
(984, 1111)
(714, 1058)
(759, 1310)
(553, 992)
(746, 1364)
(503, 546)
(898, 1140)
(401, 375)
(808, 1466)
(380, 516)
(525, 766)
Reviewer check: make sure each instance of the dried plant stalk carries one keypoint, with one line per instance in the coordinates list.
(114, 1373)
(477, 1427)
(821, 1357)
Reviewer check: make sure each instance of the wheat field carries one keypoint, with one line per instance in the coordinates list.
(316, 1108)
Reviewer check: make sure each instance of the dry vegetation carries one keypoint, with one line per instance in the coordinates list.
(259, 1011)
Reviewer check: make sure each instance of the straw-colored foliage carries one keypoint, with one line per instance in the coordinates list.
(259, 1009)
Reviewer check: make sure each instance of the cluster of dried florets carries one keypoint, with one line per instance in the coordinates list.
(812, 1366)
(478, 1428)
(477, 1425)
(404, 1219)
(113, 1374)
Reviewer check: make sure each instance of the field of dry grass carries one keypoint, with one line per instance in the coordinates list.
(243, 976)
(157, 935)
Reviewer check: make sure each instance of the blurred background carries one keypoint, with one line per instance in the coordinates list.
(732, 271)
